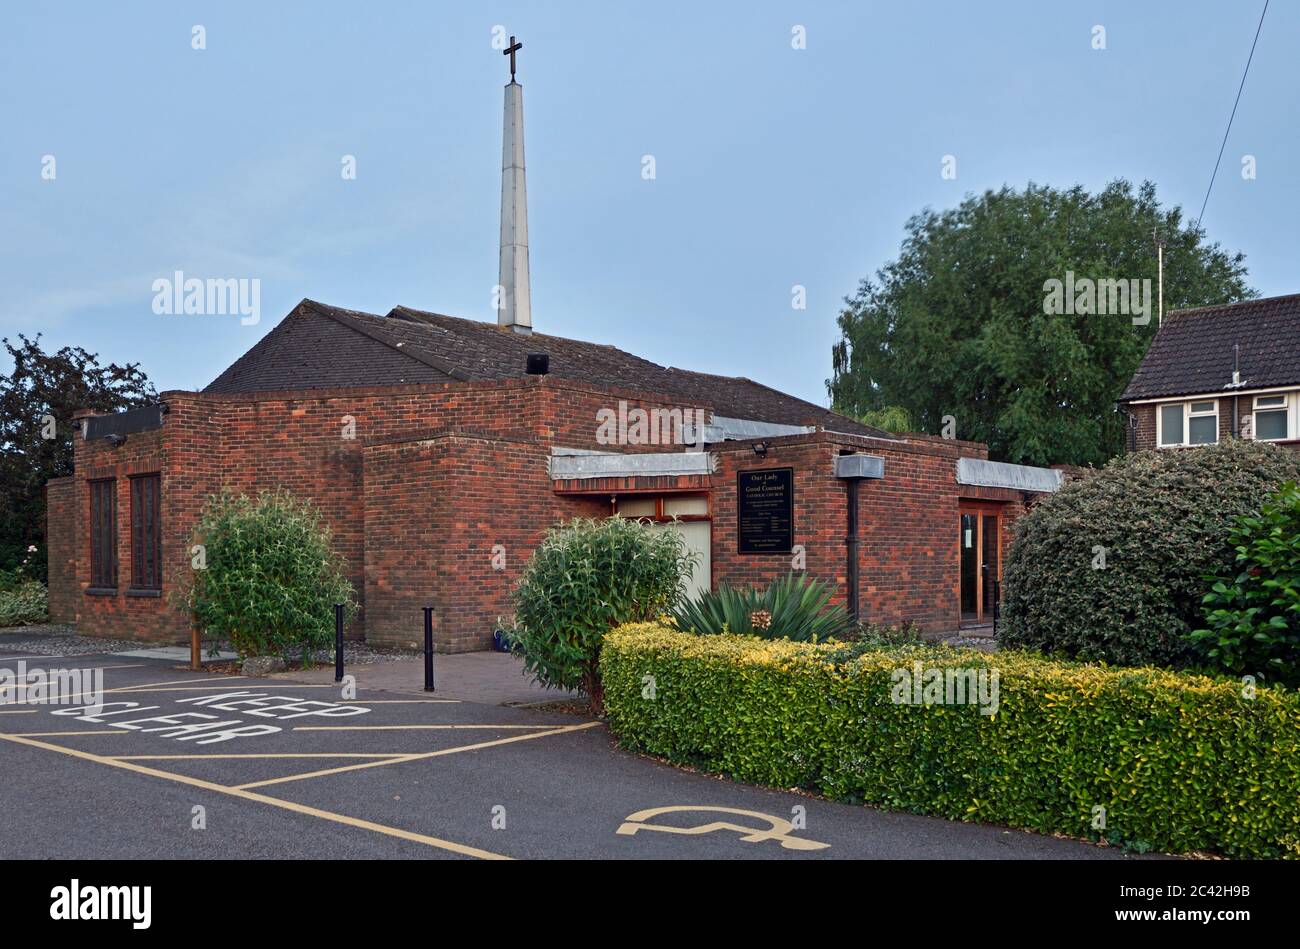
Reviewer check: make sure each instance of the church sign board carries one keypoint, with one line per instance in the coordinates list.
(765, 510)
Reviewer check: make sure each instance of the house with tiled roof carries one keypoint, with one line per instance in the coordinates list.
(1215, 372)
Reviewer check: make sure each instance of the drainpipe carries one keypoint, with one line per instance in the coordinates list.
(853, 468)
(851, 546)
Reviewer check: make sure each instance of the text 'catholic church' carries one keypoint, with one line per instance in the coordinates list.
(440, 449)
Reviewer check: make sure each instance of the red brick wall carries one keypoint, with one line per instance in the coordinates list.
(435, 511)
(125, 614)
(435, 476)
(247, 443)
(60, 538)
(907, 523)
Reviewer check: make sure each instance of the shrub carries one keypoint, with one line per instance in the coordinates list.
(23, 602)
(1164, 519)
(1253, 617)
(1179, 762)
(270, 579)
(582, 580)
(795, 607)
(17, 567)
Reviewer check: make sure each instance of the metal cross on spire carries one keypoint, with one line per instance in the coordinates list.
(510, 51)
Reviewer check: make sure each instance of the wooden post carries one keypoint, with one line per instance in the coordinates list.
(195, 649)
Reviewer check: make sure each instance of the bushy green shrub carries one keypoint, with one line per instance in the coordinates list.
(1172, 761)
(269, 579)
(796, 607)
(1252, 613)
(1112, 566)
(585, 578)
(23, 602)
(17, 567)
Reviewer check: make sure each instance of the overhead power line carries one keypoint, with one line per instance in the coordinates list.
(1245, 72)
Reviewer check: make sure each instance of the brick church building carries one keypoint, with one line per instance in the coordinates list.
(432, 443)
(440, 449)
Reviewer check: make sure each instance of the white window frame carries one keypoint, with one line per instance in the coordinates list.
(1287, 406)
(1188, 415)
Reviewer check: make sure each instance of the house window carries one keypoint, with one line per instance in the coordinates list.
(1189, 423)
(1272, 420)
(103, 534)
(146, 533)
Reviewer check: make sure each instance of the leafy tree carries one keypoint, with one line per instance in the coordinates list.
(270, 578)
(956, 326)
(1253, 609)
(584, 579)
(49, 384)
(890, 418)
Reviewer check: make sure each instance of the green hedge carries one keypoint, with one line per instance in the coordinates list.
(1179, 762)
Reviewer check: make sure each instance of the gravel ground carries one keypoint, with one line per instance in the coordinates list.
(59, 640)
(360, 654)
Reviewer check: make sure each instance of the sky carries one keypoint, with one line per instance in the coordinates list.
(774, 166)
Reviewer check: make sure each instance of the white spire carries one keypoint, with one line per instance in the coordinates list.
(515, 310)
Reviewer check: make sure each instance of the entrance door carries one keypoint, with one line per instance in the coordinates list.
(979, 561)
(697, 535)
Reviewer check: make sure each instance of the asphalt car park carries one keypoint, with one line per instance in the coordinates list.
(175, 764)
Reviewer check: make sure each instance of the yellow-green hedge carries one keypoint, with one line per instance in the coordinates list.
(1179, 762)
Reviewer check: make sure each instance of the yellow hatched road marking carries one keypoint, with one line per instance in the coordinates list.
(275, 686)
(399, 728)
(420, 756)
(133, 665)
(303, 754)
(145, 686)
(247, 795)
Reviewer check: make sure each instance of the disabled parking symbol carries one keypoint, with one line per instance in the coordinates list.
(777, 828)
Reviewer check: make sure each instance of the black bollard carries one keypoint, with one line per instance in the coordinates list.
(428, 649)
(338, 642)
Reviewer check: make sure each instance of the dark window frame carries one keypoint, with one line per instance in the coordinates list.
(103, 534)
(146, 532)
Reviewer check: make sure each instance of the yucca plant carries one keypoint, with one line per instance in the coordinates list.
(795, 607)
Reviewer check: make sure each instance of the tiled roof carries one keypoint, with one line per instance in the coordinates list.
(318, 346)
(1192, 354)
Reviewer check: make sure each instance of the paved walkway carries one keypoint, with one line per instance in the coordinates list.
(490, 678)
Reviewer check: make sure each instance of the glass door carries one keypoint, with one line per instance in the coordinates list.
(979, 561)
